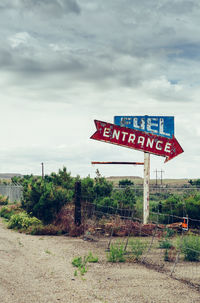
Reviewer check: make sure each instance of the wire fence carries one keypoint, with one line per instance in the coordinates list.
(169, 248)
(14, 192)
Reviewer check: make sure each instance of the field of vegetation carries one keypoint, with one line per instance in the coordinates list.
(109, 211)
(50, 200)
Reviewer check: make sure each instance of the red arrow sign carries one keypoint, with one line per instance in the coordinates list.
(123, 136)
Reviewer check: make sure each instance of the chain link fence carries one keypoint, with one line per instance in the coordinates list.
(12, 191)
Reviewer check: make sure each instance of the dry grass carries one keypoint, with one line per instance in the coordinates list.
(139, 181)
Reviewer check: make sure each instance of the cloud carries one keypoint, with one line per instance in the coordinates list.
(56, 8)
(65, 63)
(143, 44)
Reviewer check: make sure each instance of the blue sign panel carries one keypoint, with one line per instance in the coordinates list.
(157, 125)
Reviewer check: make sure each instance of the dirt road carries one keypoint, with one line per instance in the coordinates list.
(38, 269)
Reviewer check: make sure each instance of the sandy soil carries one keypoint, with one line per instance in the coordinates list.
(38, 269)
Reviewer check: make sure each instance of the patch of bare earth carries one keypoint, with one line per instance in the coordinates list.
(38, 269)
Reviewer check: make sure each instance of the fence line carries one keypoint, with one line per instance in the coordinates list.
(167, 260)
(14, 192)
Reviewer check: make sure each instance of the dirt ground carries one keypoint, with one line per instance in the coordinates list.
(38, 269)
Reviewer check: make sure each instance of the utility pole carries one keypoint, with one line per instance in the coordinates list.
(161, 177)
(42, 170)
(156, 171)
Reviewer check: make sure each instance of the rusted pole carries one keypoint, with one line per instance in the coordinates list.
(146, 187)
(77, 211)
(108, 162)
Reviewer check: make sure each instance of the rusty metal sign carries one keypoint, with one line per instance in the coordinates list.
(111, 162)
(139, 140)
(158, 125)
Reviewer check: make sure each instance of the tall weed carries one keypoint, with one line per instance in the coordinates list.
(116, 253)
(137, 248)
(190, 247)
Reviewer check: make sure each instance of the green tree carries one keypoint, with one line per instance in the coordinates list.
(102, 187)
(87, 189)
(195, 182)
(43, 198)
(125, 198)
(125, 183)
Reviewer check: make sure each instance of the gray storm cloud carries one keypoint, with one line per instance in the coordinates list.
(55, 8)
(82, 60)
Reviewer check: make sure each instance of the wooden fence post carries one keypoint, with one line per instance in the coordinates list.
(77, 211)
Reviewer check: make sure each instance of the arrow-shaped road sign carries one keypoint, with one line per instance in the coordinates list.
(123, 136)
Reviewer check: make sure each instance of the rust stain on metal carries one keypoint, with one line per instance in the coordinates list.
(139, 140)
(126, 163)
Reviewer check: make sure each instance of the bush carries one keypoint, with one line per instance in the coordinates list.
(195, 182)
(7, 211)
(190, 247)
(116, 253)
(165, 243)
(168, 232)
(44, 199)
(125, 182)
(179, 206)
(41, 229)
(22, 221)
(137, 248)
(3, 200)
(102, 187)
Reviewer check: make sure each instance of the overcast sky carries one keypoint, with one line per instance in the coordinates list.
(64, 63)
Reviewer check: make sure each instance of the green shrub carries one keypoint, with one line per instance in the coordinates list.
(165, 243)
(102, 187)
(168, 232)
(125, 198)
(190, 247)
(176, 206)
(44, 198)
(6, 212)
(137, 248)
(22, 221)
(116, 253)
(3, 200)
(125, 182)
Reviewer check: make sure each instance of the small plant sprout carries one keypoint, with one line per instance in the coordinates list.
(81, 263)
(91, 258)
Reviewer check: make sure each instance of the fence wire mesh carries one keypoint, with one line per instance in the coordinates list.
(14, 192)
(169, 248)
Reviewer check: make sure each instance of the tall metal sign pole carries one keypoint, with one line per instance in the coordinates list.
(146, 187)
(150, 134)
(162, 126)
